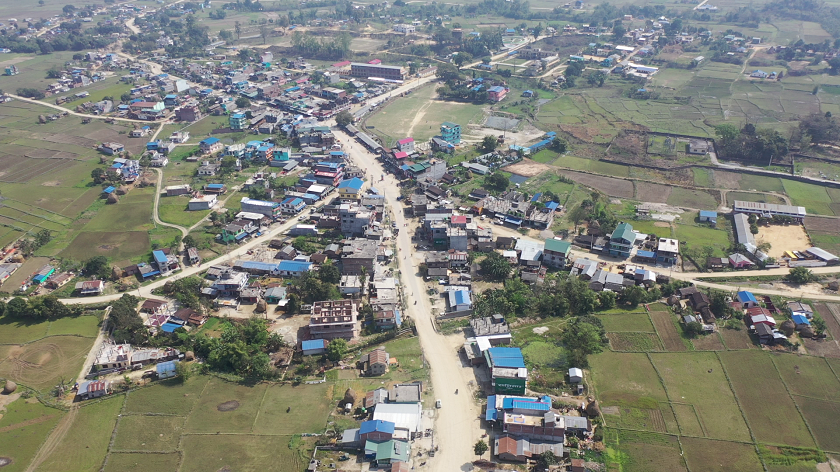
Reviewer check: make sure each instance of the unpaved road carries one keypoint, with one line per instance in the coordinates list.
(457, 427)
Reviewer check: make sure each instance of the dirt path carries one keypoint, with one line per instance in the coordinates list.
(155, 215)
(54, 439)
(85, 115)
(22, 424)
(418, 117)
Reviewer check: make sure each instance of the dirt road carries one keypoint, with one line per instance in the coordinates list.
(457, 427)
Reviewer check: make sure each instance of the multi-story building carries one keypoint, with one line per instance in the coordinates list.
(334, 319)
(621, 240)
(238, 121)
(269, 209)
(450, 132)
(667, 251)
(556, 253)
(362, 70)
(355, 220)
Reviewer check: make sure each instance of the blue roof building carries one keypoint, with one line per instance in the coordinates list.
(293, 268)
(376, 426)
(710, 216)
(313, 347)
(746, 297)
(160, 257)
(167, 369)
(510, 357)
(801, 320)
(109, 190)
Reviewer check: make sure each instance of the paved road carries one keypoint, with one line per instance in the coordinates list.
(457, 427)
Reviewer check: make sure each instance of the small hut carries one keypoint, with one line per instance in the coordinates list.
(592, 409)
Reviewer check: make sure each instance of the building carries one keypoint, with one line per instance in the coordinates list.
(708, 217)
(556, 253)
(497, 93)
(351, 189)
(405, 416)
(822, 255)
(175, 190)
(313, 347)
(769, 210)
(507, 369)
(210, 145)
(404, 28)
(111, 148)
(699, 146)
(450, 132)
(365, 71)
(667, 251)
(746, 299)
(376, 430)
(269, 209)
(334, 319)
(575, 375)
(388, 452)
(622, 240)
(739, 261)
(489, 326)
(90, 287)
(510, 448)
(203, 202)
(375, 362)
(113, 356)
(743, 235)
(406, 145)
(93, 389)
(238, 122)
(460, 300)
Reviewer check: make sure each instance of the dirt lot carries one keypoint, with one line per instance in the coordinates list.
(527, 168)
(653, 192)
(708, 342)
(726, 179)
(816, 223)
(610, 186)
(783, 238)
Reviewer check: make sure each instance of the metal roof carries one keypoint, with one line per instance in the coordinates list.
(313, 344)
(376, 425)
(745, 296)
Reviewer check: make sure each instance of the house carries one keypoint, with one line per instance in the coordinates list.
(510, 448)
(450, 132)
(166, 370)
(208, 170)
(93, 389)
(313, 347)
(575, 375)
(622, 240)
(375, 362)
(556, 253)
(387, 319)
(759, 74)
(698, 146)
(203, 202)
(405, 416)
(293, 268)
(489, 326)
(801, 321)
(286, 253)
(375, 397)
(799, 308)
(497, 93)
(667, 251)
(275, 295)
(334, 319)
(746, 299)
(739, 261)
(351, 188)
(210, 145)
(717, 262)
(175, 190)
(405, 393)
(90, 287)
(292, 205)
(708, 217)
(193, 256)
(265, 208)
(350, 284)
(388, 452)
(238, 122)
(764, 333)
(376, 430)
(406, 145)
(111, 148)
(459, 300)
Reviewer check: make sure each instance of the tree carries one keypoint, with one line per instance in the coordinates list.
(694, 329)
(184, 371)
(489, 143)
(606, 300)
(819, 324)
(336, 349)
(546, 459)
(537, 30)
(618, 32)
(265, 30)
(582, 338)
(329, 273)
(237, 28)
(497, 181)
(480, 447)
(495, 266)
(243, 102)
(596, 78)
(189, 241)
(68, 9)
(559, 144)
(462, 58)
(633, 295)
(97, 266)
(344, 118)
(800, 275)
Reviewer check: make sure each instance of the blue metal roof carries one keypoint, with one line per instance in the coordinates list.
(536, 197)
(159, 256)
(708, 214)
(108, 190)
(215, 186)
(257, 265)
(376, 425)
(801, 319)
(512, 220)
(462, 296)
(491, 414)
(525, 404)
(313, 344)
(355, 183)
(552, 205)
(294, 266)
(169, 327)
(168, 366)
(745, 296)
(210, 140)
(506, 357)
(645, 254)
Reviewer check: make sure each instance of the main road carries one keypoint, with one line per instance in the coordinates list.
(457, 426)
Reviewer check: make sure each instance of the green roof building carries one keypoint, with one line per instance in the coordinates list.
(621, 240)
(556, 252)
(450, 132)
(388, 452)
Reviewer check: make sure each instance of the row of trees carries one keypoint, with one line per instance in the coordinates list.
(308, 45)
(750, 143)
(48, 307)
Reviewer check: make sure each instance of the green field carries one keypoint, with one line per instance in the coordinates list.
(700, 199)
(720, 456)
(625, 379)
(627, 322)
(701, 236)
(761, 183)
(168, 397)
(754, 197)
(218, 452)
(643, 451)
(148, 433)
(785, 426)
(273, 418)
(174, 210)
(24, 426)
(50, 359)
(141, 462)
(814, 198)
(698, 380)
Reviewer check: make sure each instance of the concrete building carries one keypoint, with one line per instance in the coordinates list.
(768, 210)
(334, 319)
(204, 202)
(362, 70)
(556, 253)
(450, 132)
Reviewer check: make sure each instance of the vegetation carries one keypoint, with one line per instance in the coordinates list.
(800, 275)
(495, 267)
(241, 349)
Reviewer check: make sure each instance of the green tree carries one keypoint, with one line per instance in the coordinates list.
(606, 300)
(184, 371)
(336, 349)
(480, 447)
(98, 176)
(189, 241)
(497, 181)
(462, 58)
(97, 266)
(546, 459)
(819, 324)
(800, 275)
(489, 143)
(265, 30)
(495, 267)
(633, 295)
(329, 273)
(582, 339)
(693, 329)
(559, 144)
(243, 102)
(237, 28)
(344, 118)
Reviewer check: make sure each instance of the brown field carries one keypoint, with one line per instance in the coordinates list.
(822, 347)
(736, 339)
(635, 342)
(783, 238)
(527, 168)
(821, 416)
(825, 310)
(663, 321)
(654, 193)
(708, 342)
(817, 223)
(726, 179)
(610, 186)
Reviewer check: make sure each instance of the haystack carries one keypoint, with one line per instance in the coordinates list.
(592, 409)
(261, 307)
(806, 332)
(189, 356)
(788, 327)
(122, 190)
(9, 388)
(349, 397)
(112, 198)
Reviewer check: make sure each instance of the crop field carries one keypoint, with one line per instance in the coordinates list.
(737, 339)
(785, 426)
(148, 433)
(700, 236)
(626, 379)
(638, 322)
(643, 452)
(41, 364)
(814, 198)
(667, 330)
(635, 342)
(821, 416)
(722, 456)
(208, 417)
(115, 245)
(708, 342)
(698, 380)
(203, 453)
(808, 376)
(273, 418)
(141, 462)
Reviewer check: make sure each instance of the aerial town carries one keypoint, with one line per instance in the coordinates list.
(397, 236)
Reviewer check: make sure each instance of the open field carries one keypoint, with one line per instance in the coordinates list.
(625, 379)
(639, 322)
(219, 452)
(635, 342)
(86, 441)
(148, 433)
(785, 426)
(643, 452)
(697, 236)
(808, 376)
(783, 238)
(821, 416)
(141, 462)
(174, 210)
(273, 418)
(722, 456)
(698, 380)
(206, 416)
(737, 339)
(24, 426)
(667, 330)
(41, 364)
(814, 198)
